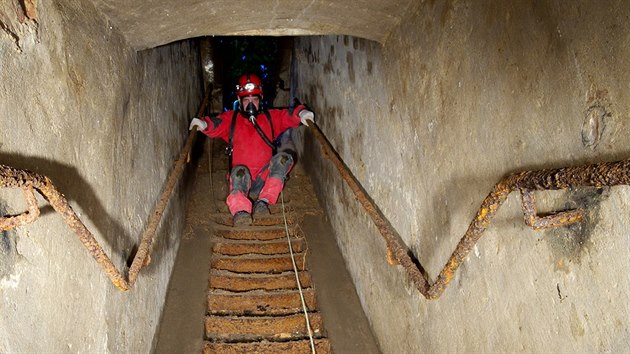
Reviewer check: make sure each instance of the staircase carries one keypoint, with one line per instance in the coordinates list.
(233, 290)
(254, 304)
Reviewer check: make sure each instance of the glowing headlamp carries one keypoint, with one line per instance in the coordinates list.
(250, 86)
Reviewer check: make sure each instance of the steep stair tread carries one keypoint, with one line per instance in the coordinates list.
(275, 219)
(257, 242)
(281, 328)
(238, 282)
(252, 233)
(267, 248)
(260, 304)
(258, 264)
(322, 346)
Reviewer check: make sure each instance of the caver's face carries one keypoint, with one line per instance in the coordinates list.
(255, 100)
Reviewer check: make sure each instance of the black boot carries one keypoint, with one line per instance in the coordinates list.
(261, 209)
(242, 218)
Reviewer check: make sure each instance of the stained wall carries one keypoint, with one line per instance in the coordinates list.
(105, 123)
(458, 96)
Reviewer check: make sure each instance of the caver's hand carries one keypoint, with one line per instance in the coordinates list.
(306, 116)
(200, 124)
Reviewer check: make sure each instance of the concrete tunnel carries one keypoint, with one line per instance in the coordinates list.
(428, 103)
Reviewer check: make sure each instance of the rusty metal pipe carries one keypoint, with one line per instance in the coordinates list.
(593, 175)
(26, 217)
(143, 257)
(27, 181)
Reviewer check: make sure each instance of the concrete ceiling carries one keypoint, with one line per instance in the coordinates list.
(150, 23)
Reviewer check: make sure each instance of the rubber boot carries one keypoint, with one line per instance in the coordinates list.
(261, 209)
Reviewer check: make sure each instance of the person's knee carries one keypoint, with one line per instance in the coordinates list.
(240, 171)
(280, 165)
(282, 159)
(240, 178)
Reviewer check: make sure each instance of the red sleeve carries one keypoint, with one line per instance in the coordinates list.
(283, 120)
(223, 129)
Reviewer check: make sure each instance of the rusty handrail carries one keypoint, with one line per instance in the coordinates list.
(29, 181)
(592, 175)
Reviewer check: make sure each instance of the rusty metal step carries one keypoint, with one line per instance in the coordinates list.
(267, 248)
(238, 282)
(252, 233)
(245, 264)
(242, 329)
(322, 346)
(260, 303)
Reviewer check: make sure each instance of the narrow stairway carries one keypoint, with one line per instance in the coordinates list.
(252, 300)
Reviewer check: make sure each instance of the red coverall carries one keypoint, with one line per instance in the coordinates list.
(250, 150)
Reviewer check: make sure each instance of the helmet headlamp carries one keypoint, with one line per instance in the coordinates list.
(249, 84)
(248, 87)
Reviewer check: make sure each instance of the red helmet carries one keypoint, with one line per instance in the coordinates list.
(249, 84)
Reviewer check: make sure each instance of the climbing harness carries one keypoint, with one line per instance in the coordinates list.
(297, 277)
(262, 134)
(230, 147)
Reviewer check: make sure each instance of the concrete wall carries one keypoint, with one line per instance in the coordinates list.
(461, 94)
(105, 123)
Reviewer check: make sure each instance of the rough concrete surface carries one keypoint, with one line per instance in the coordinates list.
(147, 24)
(346, 324)
(181, 326)
(452, 97)
(105, 123)
(460, 95)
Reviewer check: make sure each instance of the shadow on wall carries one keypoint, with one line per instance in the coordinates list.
(567, 242)
(8, 252)
(70, 183)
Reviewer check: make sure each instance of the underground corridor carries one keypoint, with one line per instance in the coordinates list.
(463, 186)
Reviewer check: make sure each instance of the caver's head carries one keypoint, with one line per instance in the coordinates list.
(249, 92)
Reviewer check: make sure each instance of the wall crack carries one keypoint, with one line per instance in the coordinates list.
(14, 37)
(17, 19)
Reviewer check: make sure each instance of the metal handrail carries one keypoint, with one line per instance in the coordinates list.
(30, 182)
(592, 175)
